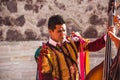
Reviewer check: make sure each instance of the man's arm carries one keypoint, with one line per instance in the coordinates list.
(43, 65)
(96, 45)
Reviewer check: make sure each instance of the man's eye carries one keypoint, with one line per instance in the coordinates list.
(60, 31)
(63, 30)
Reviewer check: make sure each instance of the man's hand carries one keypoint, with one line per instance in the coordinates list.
(111, 33)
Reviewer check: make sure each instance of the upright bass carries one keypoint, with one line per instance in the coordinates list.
(102, 71)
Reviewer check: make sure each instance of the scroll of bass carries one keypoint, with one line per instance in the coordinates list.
(102, 71)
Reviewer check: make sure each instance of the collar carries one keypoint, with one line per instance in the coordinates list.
(54, 43)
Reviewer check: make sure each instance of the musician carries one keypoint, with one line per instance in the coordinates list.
(58, 58)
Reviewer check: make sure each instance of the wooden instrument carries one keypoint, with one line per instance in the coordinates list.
(102, 71)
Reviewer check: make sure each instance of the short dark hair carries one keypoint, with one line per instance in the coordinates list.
(55, 20)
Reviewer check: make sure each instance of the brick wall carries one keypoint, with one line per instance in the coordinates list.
(17, 60)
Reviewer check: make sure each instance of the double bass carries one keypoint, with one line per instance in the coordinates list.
(102, 71)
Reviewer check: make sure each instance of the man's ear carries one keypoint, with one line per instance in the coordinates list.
(50, 31)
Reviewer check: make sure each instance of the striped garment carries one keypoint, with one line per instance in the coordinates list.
(61, 62)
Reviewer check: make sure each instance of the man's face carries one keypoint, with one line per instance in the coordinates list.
(59, 33)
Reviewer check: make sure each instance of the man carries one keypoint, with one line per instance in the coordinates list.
(58, 58)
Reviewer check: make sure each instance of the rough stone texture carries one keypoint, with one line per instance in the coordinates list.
(1, 21)
(61, 6)
(41, 22)
(20, 21)
(7, 21)
(14, 35)
(94, 20)
(1, 35)
(90, 33)
(35, 8)
(28, 7)
(12, 6)
(80, 15)
(23, 24)
(30, 35)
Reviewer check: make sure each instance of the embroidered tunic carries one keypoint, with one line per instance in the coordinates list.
(61, 62)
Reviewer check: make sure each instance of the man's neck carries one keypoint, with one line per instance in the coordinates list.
(54, 43)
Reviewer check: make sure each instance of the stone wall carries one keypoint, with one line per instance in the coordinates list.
(22, 20)
(23, 25)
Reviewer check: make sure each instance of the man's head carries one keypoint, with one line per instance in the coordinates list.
(57, 28)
